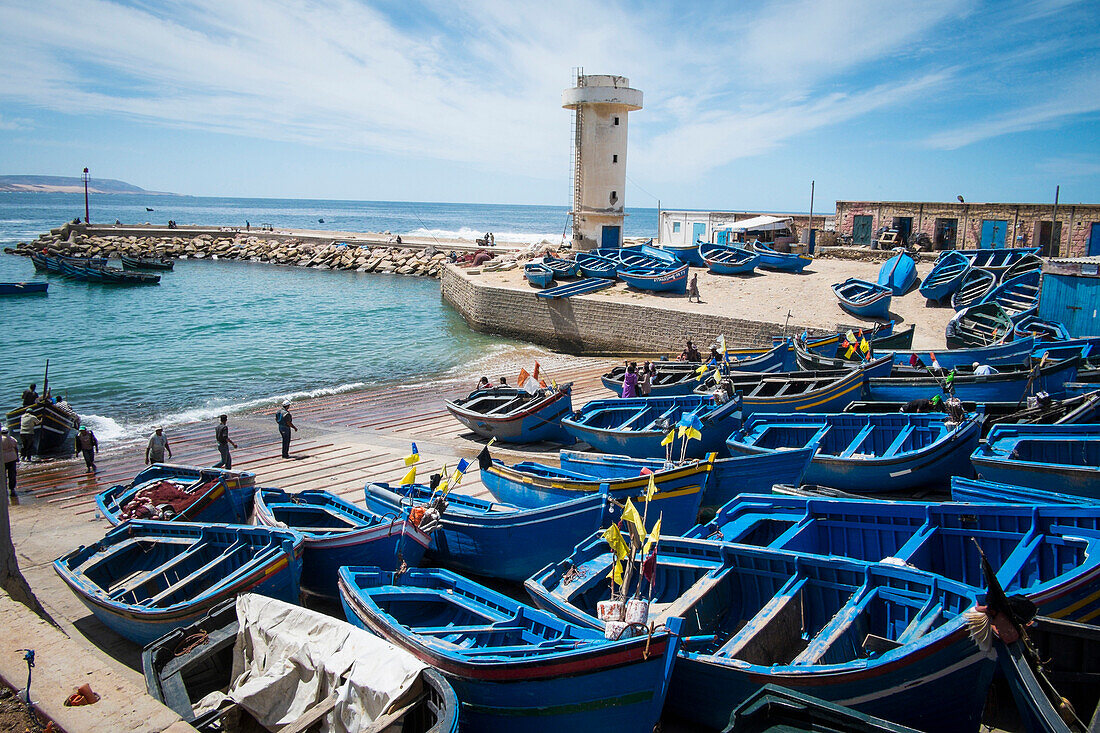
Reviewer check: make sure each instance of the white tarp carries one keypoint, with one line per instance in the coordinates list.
(287, 659)
(760, 224)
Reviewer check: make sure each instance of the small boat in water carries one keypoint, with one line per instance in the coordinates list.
(728, 476)
(985, 324)
(58, 428)
(727, 259)
(898, 273)
(514, 415)
(144, 579)
(478, 536)
(184, 666)
(27, 288)
(773, 260)
(1063, 458)
(538, 274)
(515, 667)
(1040, 328)
(637, 427)
(656, 279)
(116, 276)
(1019, 296)
(936, 537)
(679, 488)
(862, 298)
(884, 639)
(946, 275)
(975, 285)
(594, 265)
(168, 492)
(867, 453)
(130, 262)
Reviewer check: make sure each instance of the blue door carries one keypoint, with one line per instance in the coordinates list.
(993, 234)
(1094, 239)
(698, 231)
(610, 237)
(723, 236)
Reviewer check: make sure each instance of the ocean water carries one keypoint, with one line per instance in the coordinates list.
(220, 336)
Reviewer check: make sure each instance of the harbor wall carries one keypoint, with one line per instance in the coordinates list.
(590, 325)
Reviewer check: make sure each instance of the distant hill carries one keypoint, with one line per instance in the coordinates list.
(67, 184)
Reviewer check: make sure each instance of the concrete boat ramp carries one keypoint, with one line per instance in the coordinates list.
(344, 441)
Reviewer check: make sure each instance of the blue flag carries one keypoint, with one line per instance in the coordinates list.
(463, 464)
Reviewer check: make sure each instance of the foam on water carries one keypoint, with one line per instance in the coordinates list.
(470, 235)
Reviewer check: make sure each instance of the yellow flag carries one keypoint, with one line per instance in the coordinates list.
(699, 372)
(693, 434)
(614, 538)
(410, 477)
(668, 438)
(616, 573)
(634, 519)
(680, 430)
(444, 480)
(652, 489)
(654, 537)
(864, 346)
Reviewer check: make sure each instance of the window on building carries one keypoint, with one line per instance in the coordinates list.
(614, 159)
(675, 227)
(616, 120)
(613, 197)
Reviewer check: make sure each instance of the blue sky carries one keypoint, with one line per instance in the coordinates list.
(745, 103)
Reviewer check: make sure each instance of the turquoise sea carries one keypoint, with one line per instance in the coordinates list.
(223, 336)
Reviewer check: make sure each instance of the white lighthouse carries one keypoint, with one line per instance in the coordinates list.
(600, 103)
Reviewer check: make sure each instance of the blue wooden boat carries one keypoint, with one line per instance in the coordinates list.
(635, 427)
(514, 415)
(882, 639)
(528, 484)
(898, 273)
(946, 275)
(803, 391)
(58, 428)
(211, 495)
(1011, 384)
(479, 536)
(772, 260)
(728, 476)
(29, 288)
(41, 262)
(184, 666)
(79, 271)
(727, 259)
(997, 355)
(777, 359)
(672, 378)
(1025, 264)
(867, 453)
(975, 285)
(627, 259)
(997, 261)
(513, 666)
(538, 274)
(561, 268)
(862, 298)
(116, 276)
(648, 250)
(146, 263)
(658, 280)
(1040, 328)
(775, 709)
(338, 533)
(984, 324)
(594, 265)
(1048, 554)
(980, 491)
(1060, 663)
(84, 261)
(1064, 458)
(1017, 296)
(144, 579)
(689, 254)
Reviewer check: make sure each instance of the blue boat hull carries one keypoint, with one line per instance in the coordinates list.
(833, 398)
(540, 420)
(862, 298)
(772, 260)
(229, 501)
(1007, 354)
(979, 491)
(728, 476)
(973, 389)
(945, 277)
(30, 288)
(898, 273)
(483, 542)
(672, 280)
(688, 254)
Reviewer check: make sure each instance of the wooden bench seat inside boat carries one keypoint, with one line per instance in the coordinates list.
(774, 633)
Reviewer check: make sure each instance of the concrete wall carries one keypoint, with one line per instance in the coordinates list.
(591, 325)
(1021, 219)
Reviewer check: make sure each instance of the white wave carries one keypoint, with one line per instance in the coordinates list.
(470, 235)
(106, 429)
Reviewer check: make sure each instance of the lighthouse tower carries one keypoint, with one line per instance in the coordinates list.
(600, 103)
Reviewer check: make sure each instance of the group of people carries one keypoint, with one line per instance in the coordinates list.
(484, 383)
(638, 382)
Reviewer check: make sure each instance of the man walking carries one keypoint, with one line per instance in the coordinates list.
(693, 289)
(158, 444)
(88, 446)
(221, 434)
(286, 424)
(10, 451)
(28, 435)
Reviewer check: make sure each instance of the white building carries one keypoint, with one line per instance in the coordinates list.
(600, 103)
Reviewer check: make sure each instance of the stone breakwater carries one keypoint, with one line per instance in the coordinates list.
(71, 240)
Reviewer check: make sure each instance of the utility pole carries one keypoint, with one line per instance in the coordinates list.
(85, 177)
(1055, 246)
(810, 227)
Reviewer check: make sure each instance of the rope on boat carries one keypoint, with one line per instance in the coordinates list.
(191, 642)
